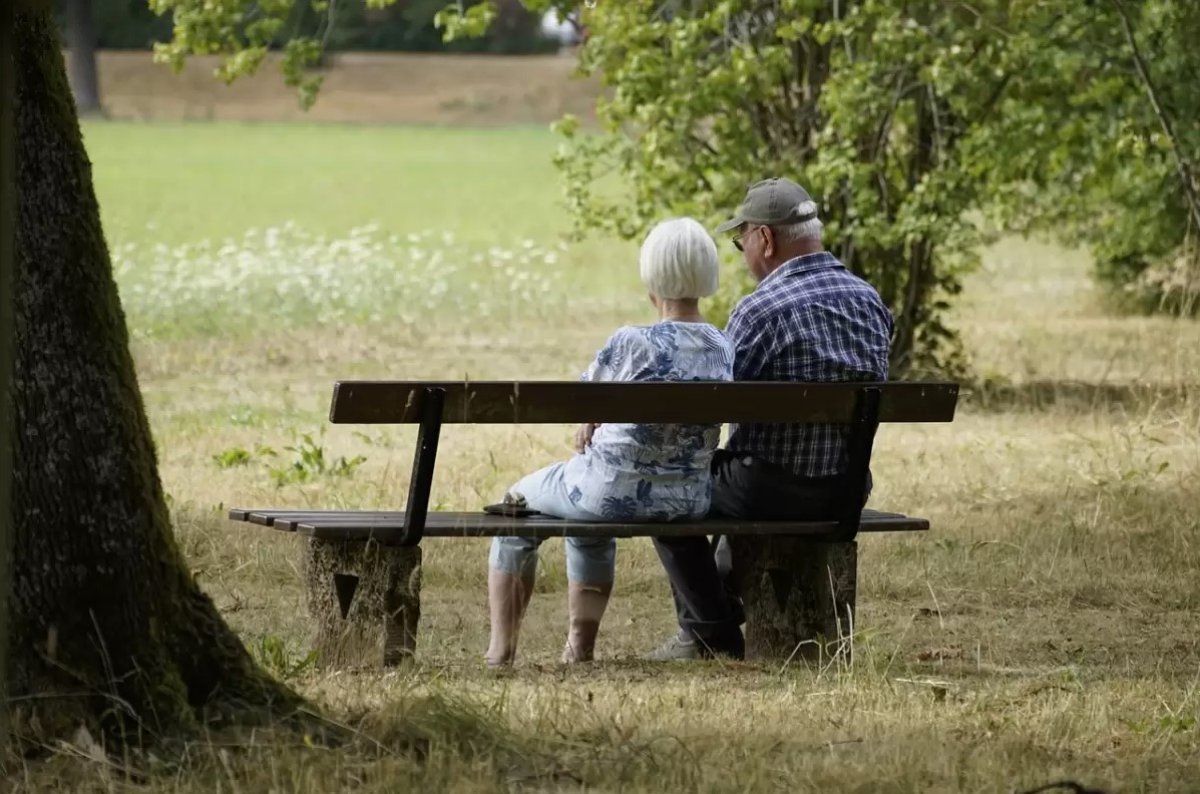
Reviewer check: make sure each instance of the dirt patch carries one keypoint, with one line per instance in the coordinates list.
(383, 88)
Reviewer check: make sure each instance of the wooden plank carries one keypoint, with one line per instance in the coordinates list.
(264, 515)
(551, 402)
(275, 516)
(267, 518)
(342, 525)
(291, 522)
(824, 531)
(286, 520)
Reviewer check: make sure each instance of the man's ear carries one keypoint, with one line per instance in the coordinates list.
(768, 242)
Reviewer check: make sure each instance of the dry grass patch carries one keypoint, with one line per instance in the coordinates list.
(1047, 627)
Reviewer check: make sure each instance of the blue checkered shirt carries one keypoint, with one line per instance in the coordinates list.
(810, 320)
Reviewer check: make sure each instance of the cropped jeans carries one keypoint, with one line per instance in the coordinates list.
(589, 560)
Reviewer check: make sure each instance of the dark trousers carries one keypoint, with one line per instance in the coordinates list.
(703, 573)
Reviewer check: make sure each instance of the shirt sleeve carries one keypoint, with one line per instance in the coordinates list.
(752, 341)
(611, 361)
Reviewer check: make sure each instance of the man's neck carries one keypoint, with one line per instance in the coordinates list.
(798, 249)
(794, 251)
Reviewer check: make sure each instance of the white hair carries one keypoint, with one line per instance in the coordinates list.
(679, 260)
(806, 230)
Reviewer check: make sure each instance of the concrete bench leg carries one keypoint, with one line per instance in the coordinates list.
(365, 600)
(799, 597)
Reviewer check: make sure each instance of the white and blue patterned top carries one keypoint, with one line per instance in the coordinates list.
(634, 472)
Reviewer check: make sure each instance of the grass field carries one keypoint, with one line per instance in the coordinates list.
(1047, 628)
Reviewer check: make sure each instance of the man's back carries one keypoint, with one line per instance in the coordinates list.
(810, 320)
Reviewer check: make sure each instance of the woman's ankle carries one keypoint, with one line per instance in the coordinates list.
(508, 597)
(500, 657)
(586, 603)
(581, 642)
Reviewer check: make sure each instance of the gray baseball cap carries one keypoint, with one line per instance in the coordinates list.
(771, 202)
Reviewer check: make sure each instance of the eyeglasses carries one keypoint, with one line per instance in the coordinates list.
(737, 238)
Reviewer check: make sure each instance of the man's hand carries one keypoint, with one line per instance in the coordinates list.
(583, 436)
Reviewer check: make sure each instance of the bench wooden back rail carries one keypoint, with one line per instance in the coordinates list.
(862, 406)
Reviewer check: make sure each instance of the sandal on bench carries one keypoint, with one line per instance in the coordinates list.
(511, 506)
(510, 510)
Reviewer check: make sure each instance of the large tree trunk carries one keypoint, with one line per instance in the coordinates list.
(8, 220)
(81, 48)
(108, 628)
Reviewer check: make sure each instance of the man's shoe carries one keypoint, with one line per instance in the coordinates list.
(684, 649)
(676, 649)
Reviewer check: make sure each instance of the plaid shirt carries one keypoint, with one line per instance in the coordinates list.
(810, 320)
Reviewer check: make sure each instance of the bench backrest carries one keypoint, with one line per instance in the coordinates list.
(861, 406)
(550, 402)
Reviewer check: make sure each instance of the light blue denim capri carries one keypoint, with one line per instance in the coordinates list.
(589, 560)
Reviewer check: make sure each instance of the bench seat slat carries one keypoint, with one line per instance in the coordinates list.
(385, 526)
(286, 520)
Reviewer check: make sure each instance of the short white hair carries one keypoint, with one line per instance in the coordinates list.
(806, 230)
(679, 260)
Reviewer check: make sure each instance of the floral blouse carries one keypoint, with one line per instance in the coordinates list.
(634, 472)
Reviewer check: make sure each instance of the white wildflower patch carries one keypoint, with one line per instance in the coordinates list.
(287, 276)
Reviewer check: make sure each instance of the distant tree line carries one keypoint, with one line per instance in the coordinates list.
(403, 26)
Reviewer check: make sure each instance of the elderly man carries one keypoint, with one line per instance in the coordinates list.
(809, 319)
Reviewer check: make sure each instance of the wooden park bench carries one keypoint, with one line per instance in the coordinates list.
(799, 577)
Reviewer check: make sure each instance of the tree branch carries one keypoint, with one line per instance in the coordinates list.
(1187, 173)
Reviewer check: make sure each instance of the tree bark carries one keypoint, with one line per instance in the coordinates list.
(81, 48)
(108, 627)
(8, 220)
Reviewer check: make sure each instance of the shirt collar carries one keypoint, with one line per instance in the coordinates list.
(821, 260)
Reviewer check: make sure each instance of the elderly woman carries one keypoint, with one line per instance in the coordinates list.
(623, 472)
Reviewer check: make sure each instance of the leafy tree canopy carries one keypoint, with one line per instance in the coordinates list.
(922, 127)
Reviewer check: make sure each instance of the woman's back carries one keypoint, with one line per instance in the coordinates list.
(652, 471)
(623, 472)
